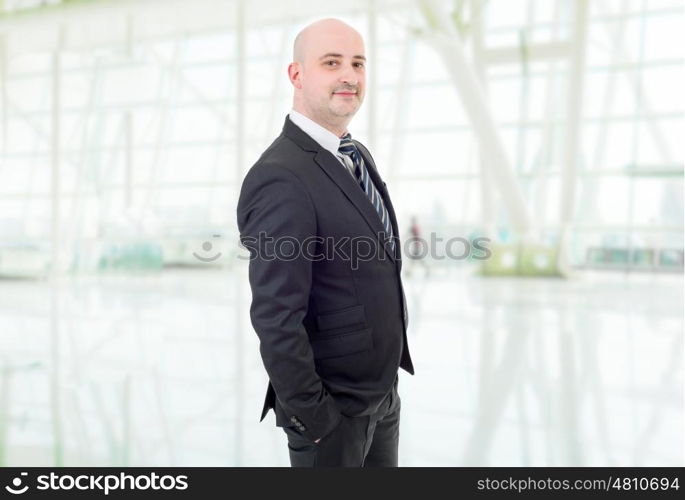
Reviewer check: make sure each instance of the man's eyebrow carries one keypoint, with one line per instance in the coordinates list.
(332, 54)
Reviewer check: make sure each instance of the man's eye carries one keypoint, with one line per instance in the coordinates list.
(334, 62)
(360, 65)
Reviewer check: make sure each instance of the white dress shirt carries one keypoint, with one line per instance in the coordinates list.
(327, 139)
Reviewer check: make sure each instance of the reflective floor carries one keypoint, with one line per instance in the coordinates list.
(164, 369)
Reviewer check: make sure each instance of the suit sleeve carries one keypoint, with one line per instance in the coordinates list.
(275, 212)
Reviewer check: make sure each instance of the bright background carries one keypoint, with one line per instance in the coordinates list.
(553, 127)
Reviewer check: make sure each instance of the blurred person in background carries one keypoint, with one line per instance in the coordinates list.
(417, 248)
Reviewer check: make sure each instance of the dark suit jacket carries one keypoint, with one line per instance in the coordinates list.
(332, 327)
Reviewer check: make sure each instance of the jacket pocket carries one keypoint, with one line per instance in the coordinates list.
(341, 345)
(348, 317)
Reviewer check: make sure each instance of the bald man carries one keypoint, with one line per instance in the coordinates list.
(327, 297)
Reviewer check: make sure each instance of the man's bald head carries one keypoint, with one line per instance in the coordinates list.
(312, 34)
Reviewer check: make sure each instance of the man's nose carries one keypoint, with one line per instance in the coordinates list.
(349, 76)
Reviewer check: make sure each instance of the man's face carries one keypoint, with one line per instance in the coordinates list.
(333, 77)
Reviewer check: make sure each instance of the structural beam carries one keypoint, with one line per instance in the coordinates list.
(445, 39)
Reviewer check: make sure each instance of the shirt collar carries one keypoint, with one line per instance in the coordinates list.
(327, 139)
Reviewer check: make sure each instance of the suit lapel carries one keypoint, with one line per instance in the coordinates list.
(342, 178)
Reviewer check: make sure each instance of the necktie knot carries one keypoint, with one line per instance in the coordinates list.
(347, 147)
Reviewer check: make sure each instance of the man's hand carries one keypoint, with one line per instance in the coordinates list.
(317, 440)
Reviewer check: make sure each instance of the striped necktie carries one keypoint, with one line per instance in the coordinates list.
(355, 164)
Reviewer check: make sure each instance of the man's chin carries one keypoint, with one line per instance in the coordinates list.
(344, 111)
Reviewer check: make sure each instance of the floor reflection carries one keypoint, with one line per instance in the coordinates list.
(164, 369)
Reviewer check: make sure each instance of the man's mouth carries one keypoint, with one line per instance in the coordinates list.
(345, 93)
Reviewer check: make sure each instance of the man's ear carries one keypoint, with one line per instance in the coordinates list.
(295, 74)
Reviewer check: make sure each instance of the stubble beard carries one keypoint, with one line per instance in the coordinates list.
(343, 109)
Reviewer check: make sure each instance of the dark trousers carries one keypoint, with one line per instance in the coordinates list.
(369, 441)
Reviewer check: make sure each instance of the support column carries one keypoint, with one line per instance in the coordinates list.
(487, 204)
(240, 124)
(574, 101)
(57, 258)
(3, 91)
